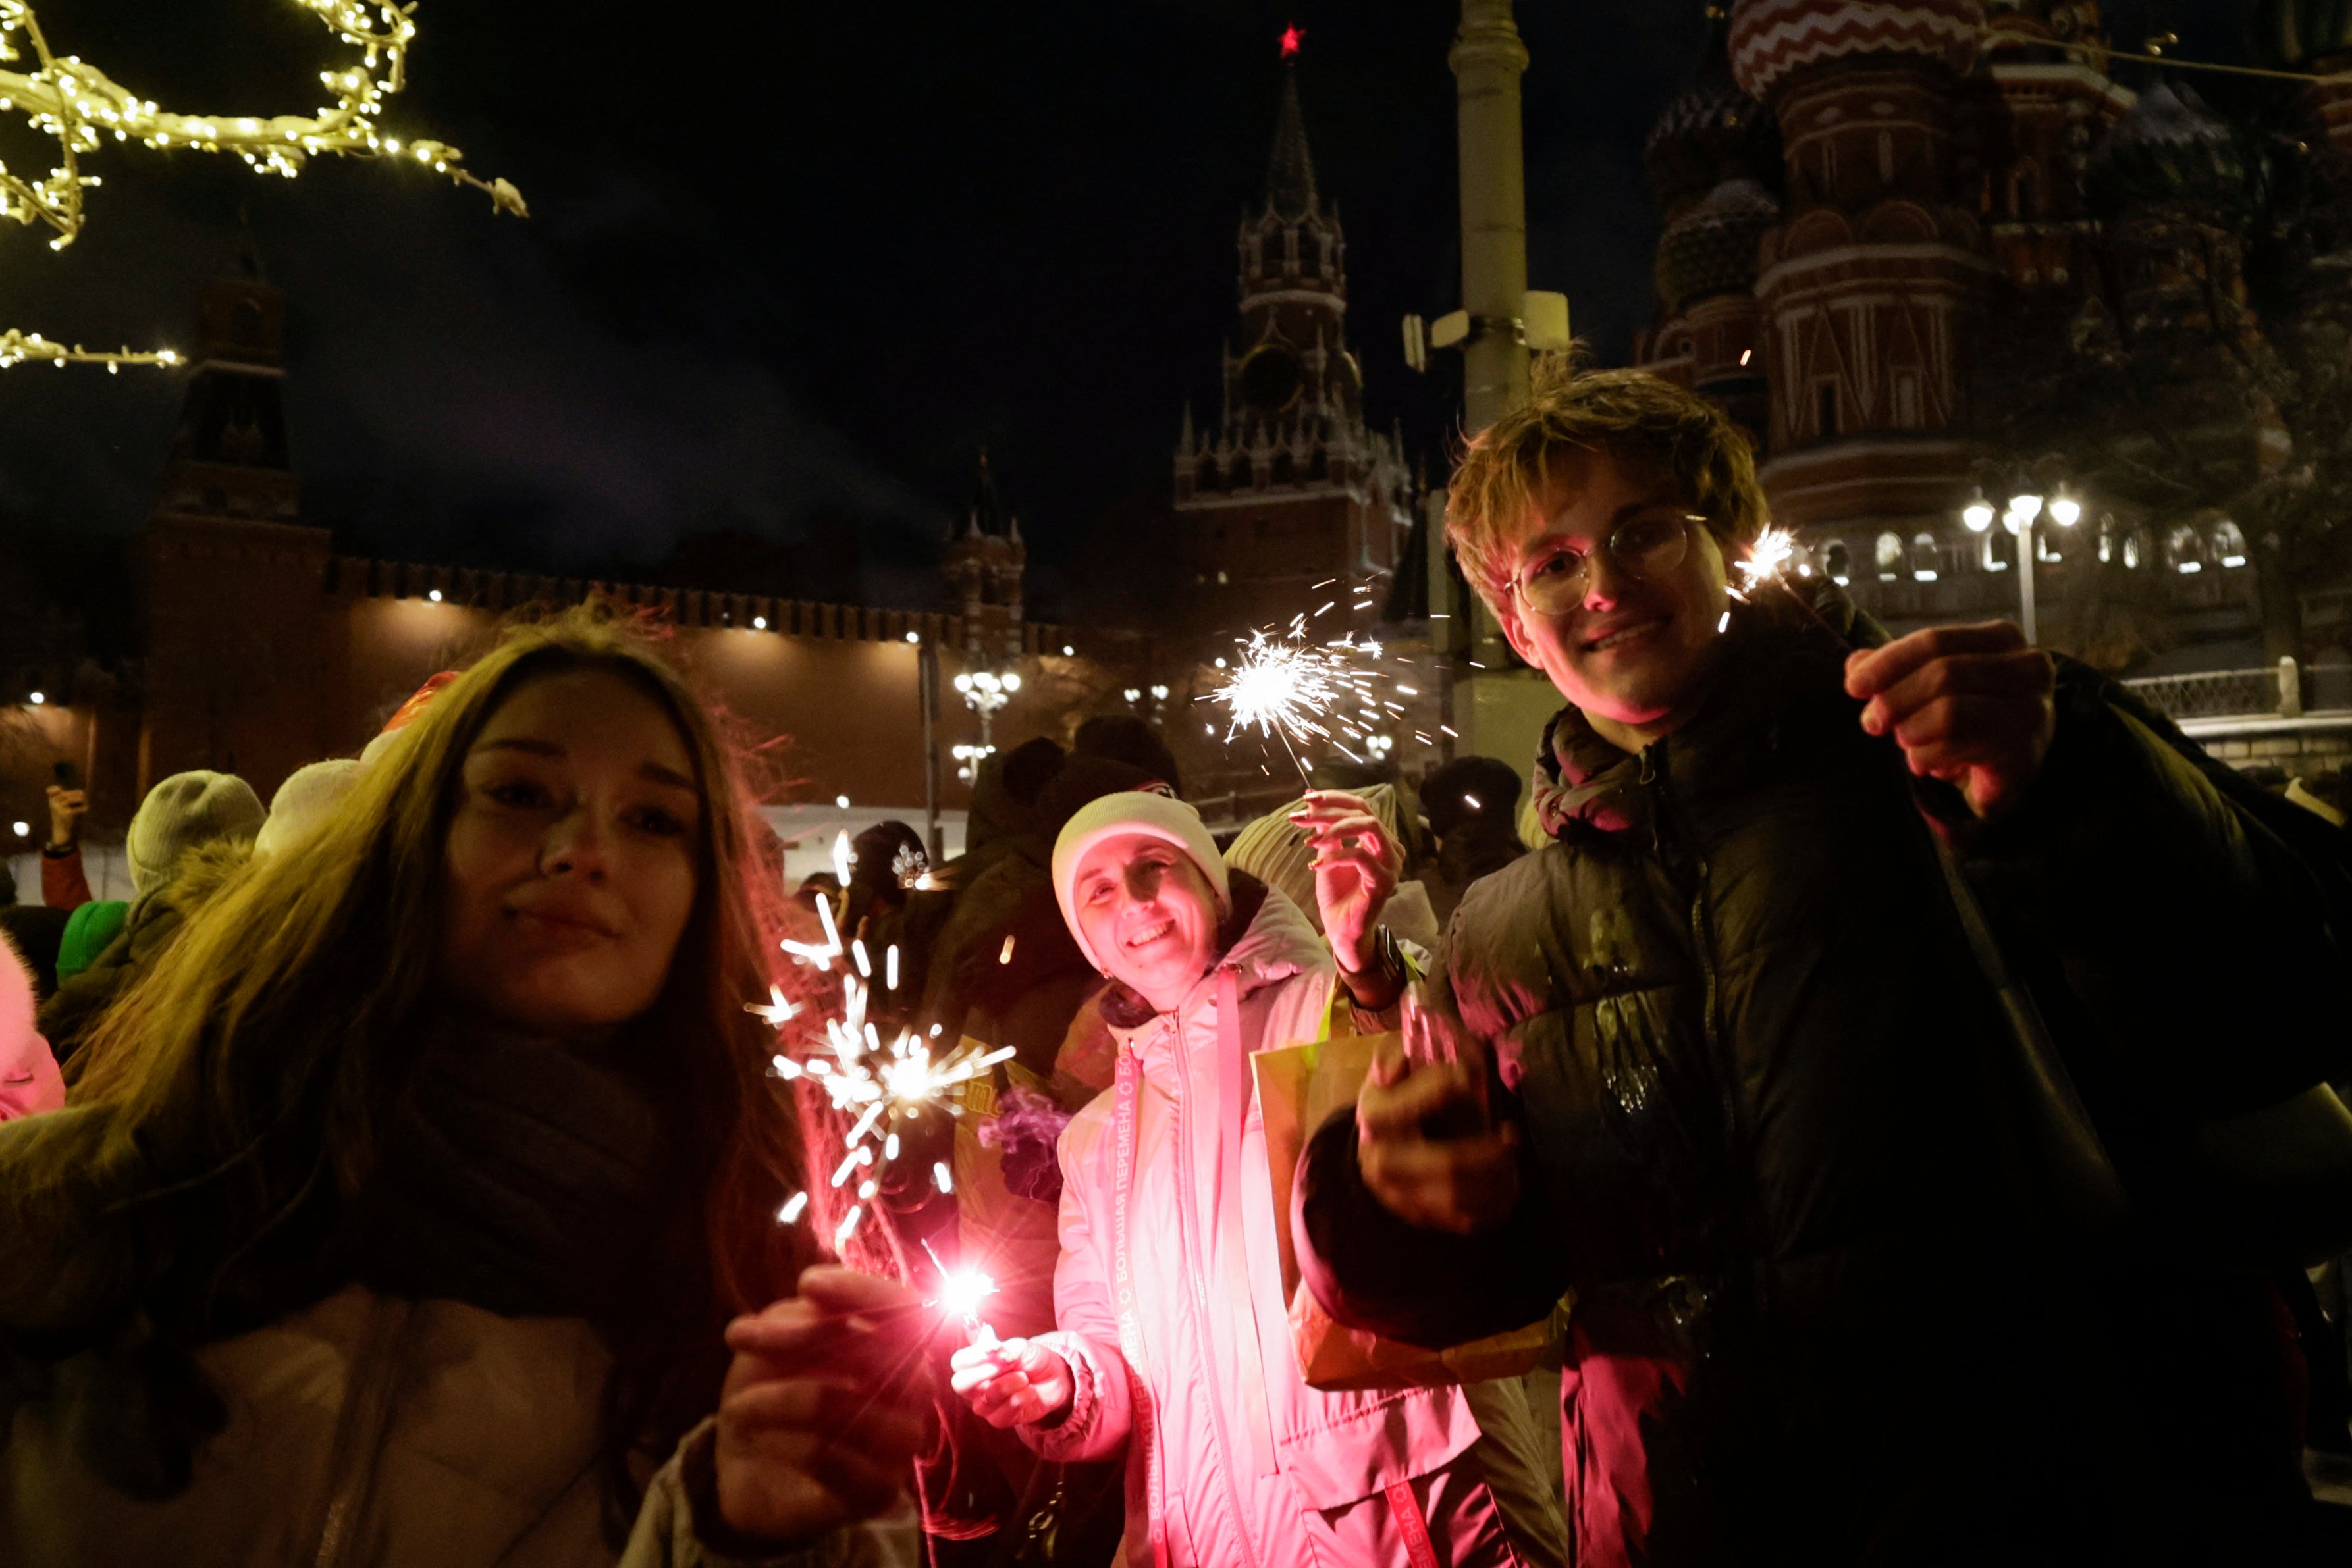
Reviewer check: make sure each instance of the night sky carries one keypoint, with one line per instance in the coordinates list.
(785, 277)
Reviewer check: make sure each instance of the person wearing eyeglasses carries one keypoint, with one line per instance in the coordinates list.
(1721, 1063)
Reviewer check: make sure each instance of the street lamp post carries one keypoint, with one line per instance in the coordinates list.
(2025, 508)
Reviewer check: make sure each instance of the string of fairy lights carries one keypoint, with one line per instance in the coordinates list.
(82, 110)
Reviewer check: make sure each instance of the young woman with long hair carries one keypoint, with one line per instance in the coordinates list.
(400, 1214)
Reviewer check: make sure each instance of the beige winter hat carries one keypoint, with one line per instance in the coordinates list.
(182, 811)
(308, 798)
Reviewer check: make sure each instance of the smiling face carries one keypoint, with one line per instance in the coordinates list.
(570, 869)
(1148, 913)
(1634, 651)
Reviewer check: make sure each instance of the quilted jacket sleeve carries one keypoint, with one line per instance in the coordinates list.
(674, 1528)
(1086, 1320)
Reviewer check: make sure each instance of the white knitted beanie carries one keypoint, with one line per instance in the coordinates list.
(1134, 811)
(308, 798)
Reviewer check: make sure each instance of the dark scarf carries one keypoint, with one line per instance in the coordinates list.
(514, 1175)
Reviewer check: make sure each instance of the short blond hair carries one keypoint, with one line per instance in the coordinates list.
(1633, 416)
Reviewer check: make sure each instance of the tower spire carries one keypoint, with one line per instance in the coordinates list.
(1290, 170)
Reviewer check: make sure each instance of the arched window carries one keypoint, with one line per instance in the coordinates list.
(1890, 556)
(2184, 552)
(2137, 549)
(1837, 562)
(1208, 478)
(1994, 549)
(1285, 472)
(2107, 541)
(2229, 545)
(1925, 560)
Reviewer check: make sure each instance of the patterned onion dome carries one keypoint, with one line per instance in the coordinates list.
(2297, 35)
(1710, 133)
(2170, 149)
(1711, 248)
(1772, 38)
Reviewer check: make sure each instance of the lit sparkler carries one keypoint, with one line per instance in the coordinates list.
(876, 1084)
(1767, 558)
(961, 1291)
(1767, 566)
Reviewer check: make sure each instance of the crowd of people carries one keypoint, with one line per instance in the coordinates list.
(1868, 1101)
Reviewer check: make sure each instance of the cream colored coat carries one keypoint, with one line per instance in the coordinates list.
(371, 1432)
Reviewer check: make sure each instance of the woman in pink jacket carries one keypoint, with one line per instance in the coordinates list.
(1172, 1341)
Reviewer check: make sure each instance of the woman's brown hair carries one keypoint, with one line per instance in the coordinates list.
(231, 1104)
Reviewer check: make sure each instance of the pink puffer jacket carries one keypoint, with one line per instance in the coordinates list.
(29, 1081)
(1170, 1310)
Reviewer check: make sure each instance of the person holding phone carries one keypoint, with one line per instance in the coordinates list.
(64, 884)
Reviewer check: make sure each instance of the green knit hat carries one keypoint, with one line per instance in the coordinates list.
(89, 931)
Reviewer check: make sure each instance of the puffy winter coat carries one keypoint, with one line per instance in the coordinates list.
(1170, 1311)
(29, 1081)
(373, 1432)
(1769, 1142)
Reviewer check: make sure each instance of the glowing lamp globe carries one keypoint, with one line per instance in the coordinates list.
(2027, 507)
(2065, 511)
(1978, 515)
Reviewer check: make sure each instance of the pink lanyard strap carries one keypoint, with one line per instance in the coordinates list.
(1142, 1433)
(1233, 1088)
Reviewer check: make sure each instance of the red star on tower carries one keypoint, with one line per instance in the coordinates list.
(1292, 37)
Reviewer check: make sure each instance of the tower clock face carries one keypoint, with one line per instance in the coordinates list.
(1271, 379)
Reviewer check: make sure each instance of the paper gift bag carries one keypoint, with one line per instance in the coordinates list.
(1298, 1087)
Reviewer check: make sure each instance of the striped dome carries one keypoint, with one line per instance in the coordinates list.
(1772, 38)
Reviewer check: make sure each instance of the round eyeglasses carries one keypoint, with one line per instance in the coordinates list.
(1554, 583)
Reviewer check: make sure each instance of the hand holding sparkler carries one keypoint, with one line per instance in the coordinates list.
(1970, 705)
(1357, 866)
(1013, 1382)
(825, 1406)
(1426, 1143)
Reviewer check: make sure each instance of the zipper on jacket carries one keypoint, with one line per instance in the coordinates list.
(1187, 1188)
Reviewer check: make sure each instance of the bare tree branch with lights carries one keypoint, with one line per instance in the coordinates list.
(82, 108)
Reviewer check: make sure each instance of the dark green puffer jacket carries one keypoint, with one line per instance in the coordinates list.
(1773, 1140)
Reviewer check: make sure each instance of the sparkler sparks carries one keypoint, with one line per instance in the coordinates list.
(876, 1084)
(961, 1291)
(1300, 692)
(1766, 559)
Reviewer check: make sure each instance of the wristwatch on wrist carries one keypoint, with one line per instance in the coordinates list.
(58, 852)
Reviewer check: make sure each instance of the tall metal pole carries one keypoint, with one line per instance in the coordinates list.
(2029, 557)
(1488, 59)
(926, 697)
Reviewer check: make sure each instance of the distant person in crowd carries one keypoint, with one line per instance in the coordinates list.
(1172, 1347)
(29, 1081)
(193, 833)
(408, 1211)
(1472, 806)
(63, 882)
(301, 806)
(1733, 1058)
(1124, 738)
(1004, 814)
(885, 861)
(817, 884)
